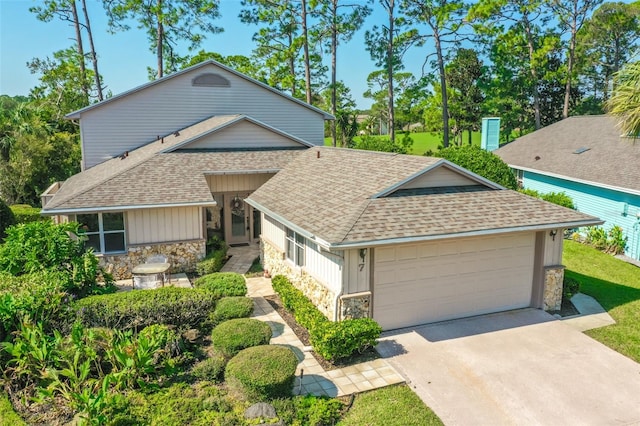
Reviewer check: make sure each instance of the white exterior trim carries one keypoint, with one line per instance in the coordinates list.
(54, 212)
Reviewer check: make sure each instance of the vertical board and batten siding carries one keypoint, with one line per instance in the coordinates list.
(273, 231)
(323, 266)
(237, 182)
(136, 119)
(243, 135)
(553, 248)
(356, 272)
(441, 176)
(607, 204)
(164, 225)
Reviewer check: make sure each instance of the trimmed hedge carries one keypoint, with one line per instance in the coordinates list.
(222, 284)
(212, 262)
(559, 198)
(24, 213)
(331, 340)
(262, 372)
(229, 308)
(234, 335)
(181, 307)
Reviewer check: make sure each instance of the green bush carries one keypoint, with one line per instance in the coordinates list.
(331, 340)
(211, 368)
(24, 213)
(39, 296)
(308, 410)
(337, 340)
(559, 198)
(234, 335)
(183, 308)
(262, 372)
(570, 287)
(222, 284)
(231, 308)
(613, 241)
(7, 218)
(32, 247)
(481, 162)
(212, 262)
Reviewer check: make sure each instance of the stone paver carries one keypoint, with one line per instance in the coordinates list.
(311, 378)
(241, 258)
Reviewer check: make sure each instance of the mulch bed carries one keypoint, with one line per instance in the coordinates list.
(566, 310)
(303, 335)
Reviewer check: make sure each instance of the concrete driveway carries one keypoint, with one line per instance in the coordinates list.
(520, 367)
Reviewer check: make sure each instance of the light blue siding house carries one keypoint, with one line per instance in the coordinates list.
(588, 159)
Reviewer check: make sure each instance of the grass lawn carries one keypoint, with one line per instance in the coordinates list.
(425, 141)
(8, 417)
(393, 405)
(616, 285)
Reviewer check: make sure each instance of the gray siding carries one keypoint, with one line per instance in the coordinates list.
(243, 135)
(134, 120)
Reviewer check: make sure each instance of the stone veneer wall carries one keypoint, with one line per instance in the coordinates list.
(183, 257)
(553, 283)
(273, 261)
(357, 305)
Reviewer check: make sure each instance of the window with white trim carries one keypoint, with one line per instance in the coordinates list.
(295, 247)
(104, 232)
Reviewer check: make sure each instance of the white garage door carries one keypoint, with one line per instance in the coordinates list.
(436, 281)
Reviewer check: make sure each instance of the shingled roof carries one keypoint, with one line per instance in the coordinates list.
(155, 175)
(341, 198)
(585, 148)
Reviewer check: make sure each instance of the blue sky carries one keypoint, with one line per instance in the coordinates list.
(124, 56)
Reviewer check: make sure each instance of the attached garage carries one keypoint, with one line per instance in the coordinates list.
(453, 278)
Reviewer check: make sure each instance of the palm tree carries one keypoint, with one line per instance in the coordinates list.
(625, 100)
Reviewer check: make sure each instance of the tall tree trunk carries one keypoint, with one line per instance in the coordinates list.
(292, 68)
(305, 47)
(443, 86)
(534, 74)
(83, 71)
(94, 57)
(391, 122)
(570, 60)
(160, 40)
(334, 54)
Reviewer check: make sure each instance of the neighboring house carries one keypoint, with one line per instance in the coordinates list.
(588, 159)
(169, 163)
(409, 239)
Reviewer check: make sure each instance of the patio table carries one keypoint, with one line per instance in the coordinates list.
(146, 269)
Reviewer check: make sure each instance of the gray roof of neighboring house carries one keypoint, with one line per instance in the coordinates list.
(611, 160)
(329, 194)
(153, 175)
(76, 114)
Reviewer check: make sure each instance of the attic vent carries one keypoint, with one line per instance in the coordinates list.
(581, 150)
(210, 80)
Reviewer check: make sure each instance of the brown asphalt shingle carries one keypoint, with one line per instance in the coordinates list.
(611, 159)
(328, 193)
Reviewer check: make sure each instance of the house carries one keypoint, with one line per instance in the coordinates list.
(169, 163)
(587, 158)
(409, 239)
(403, 239)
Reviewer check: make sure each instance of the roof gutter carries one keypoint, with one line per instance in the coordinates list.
(53, 212)
(533, 228)
(583, 181)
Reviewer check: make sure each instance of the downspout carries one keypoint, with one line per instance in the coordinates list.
(340, 293)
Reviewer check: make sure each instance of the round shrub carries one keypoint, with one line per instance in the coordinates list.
(234, 335)
(6, 218)
(223, 284)
(231, 308)
(211, 368)
(570, 287)
(262, 372)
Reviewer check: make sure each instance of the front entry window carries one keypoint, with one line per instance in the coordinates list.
(105, 232)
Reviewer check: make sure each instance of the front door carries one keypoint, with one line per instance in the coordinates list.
(237, 220)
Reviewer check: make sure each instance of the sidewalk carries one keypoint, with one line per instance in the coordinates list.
(311, 378)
